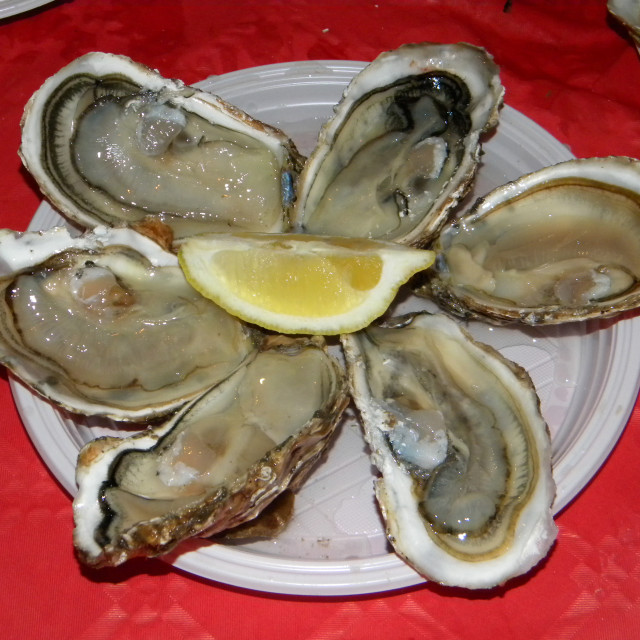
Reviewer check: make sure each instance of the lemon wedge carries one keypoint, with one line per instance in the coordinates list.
(294, 283)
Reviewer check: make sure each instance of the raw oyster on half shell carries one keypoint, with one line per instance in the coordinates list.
(111, 141)
(464, 454)
(556, 245)
(403, 145)
(217, 463)
(106, 324)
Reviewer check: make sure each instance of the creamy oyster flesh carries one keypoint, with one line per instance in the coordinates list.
(402, 146)
(139, 153)
(391, 158)
(213, 466)
(204, 451)
(108, 332)
(111, 141)
(545, 249)
(456, 431)
(557, 245)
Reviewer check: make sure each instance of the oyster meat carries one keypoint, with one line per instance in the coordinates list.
(402, 146)
(110, 141)
(464, 454)
(106, 324)
(556, 245)
(214, 465)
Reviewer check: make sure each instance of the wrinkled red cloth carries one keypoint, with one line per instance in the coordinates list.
(568, 66)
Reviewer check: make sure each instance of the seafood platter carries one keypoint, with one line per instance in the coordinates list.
(197, 433)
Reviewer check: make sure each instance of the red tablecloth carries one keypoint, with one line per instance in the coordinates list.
(567, 66)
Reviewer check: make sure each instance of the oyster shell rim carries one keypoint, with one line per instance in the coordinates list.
(466, 305)
(201, 102)
(44, 379)
(441, 60)
(263, 481)
(530, 545)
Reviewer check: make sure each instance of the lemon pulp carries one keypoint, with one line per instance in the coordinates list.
(305, 285)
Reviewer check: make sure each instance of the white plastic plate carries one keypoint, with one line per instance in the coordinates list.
(14, 7)
(584, 373)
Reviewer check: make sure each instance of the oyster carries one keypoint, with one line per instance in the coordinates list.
(456, 432)
(628, 13)
(402, 146)
(214, 465)
(106, 324)
(557, 245)
(110, 141)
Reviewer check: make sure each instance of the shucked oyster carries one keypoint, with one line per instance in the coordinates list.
(559, 244)
(402, 146)
(111, 141)
(106, 324)
(217, 463)
(456, 432)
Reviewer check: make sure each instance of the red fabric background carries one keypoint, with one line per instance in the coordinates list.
(566, 65)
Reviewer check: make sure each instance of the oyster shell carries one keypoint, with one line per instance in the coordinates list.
(556, 245)
(106, 324)
(110, 141)
(455, 430)
(217, 463)
(402, 146)
(628, 13)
